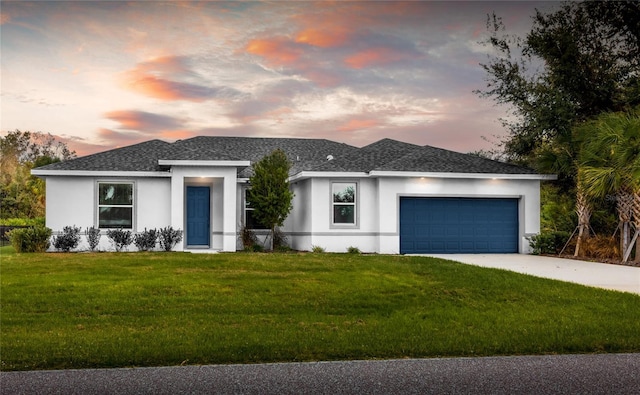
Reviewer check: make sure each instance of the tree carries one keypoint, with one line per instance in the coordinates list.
(609, 165)
(270, 195)
(21, 194)
(578, 61)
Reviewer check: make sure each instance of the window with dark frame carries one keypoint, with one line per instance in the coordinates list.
(250, 222)
(344, 203)
(115, 205)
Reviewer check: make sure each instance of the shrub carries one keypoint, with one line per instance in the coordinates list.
(34, 239)
(146, 240)
(248, 238)
(280, 240)
(317, 249)
(119, 238)
(353, 250)
(93, 237)
(68, 240)
(548, 242)
(168, 238)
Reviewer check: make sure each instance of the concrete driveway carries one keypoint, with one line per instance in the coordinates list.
(601, 275)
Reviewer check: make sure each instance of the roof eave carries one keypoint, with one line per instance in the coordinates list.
(493, 176)
(327, 174)
(99, 173)
(207, 163)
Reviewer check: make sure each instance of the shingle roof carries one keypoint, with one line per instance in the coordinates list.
(304, 154)
(369, 157)
(393, 155)
(437, 160)
(137, 157)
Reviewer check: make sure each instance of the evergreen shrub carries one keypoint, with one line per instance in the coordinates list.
(120, 238)
(33, 239)
(146, 241)
(68, 240)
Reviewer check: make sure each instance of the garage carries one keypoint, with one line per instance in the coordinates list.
(458, 225)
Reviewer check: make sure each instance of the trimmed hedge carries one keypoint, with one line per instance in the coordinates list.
(32, 239)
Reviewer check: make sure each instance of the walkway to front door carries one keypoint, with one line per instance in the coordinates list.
(198, 213)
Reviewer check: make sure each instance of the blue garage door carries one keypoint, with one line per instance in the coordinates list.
(458, 225)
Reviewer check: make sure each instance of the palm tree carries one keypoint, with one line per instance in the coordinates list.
(560, 157)
(583, 210)
(609, 165)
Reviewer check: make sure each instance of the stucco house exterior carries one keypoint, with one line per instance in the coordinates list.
(388, 197)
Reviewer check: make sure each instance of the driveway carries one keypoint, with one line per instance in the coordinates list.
(593, 274)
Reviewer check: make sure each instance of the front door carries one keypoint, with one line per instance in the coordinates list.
(198, 216)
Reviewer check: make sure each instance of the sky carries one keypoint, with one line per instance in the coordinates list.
(105, 74)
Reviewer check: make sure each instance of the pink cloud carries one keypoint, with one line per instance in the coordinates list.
(177, 134)
(334, 36)
(377, 57)
(323, 78)
(159, 78)
(143, 121)
(277, 51)
(119, 139)
(358, 124)
(81, 146)
(283, 52)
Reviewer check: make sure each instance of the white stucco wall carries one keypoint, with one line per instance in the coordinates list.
(160, 202)
(337, 238)
(72, 201)
(299, 224)
(378, 200)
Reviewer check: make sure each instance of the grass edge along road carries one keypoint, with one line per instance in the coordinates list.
(87, 310)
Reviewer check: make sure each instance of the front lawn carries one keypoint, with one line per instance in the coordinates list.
(145, 309)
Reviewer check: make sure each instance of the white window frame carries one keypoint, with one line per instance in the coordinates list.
(132, 205)
(355, 204)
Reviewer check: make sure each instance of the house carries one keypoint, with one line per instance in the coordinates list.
(387, 197)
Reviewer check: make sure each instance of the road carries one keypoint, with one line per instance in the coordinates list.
(556, 374)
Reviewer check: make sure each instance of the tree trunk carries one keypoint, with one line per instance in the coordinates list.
(624, 206)
(636, 220)
(624, 238)
(584, 215)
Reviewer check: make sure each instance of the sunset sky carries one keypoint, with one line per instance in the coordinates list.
(107, 74)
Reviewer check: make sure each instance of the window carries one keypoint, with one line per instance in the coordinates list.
(115, 205)
(249, 221)
(344, 203)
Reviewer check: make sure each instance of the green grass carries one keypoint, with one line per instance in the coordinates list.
(147, 309)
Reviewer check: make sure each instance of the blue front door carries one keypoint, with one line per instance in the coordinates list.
(198, 216)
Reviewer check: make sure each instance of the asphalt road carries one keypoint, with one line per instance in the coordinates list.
(558, 374)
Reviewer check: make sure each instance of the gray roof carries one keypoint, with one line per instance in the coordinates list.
(137, 157)
(304, 154)
(438, 160)
(369, 157)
